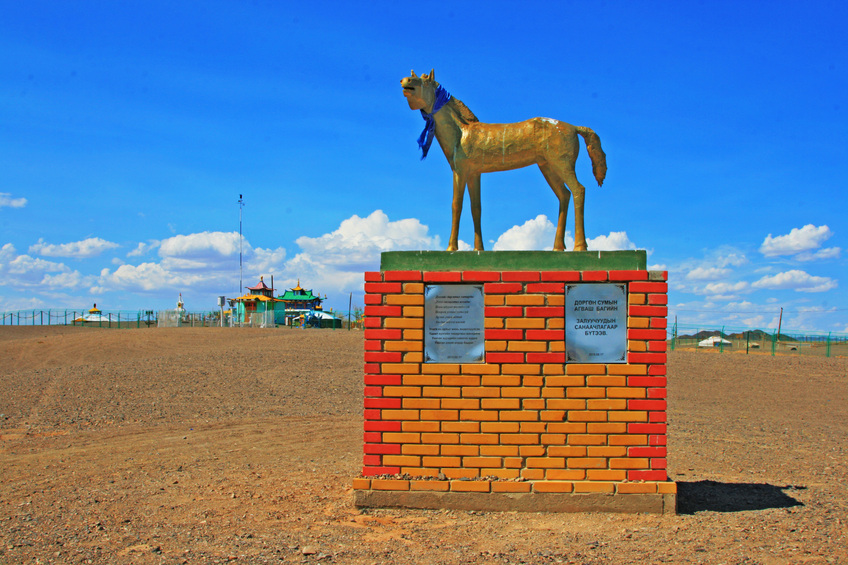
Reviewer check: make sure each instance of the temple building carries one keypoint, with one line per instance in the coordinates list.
(259, 307)
(299, 300)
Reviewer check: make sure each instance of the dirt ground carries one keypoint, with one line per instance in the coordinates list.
(207, 445)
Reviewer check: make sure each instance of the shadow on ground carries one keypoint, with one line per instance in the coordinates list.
(732, 497)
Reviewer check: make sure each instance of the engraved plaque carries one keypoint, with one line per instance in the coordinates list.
(595, 323)
(453, 323)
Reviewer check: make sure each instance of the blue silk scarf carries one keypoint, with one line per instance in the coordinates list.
(426, 137)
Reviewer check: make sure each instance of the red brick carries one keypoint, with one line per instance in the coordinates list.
(657, 299)
(503, 288)
(373, 345)
(372, 437)
(648, 287)
(560, 276)
(657, 440)
(639, 310)
(504, 334)
(383, 311)
(481, 276)
(646, 381)
(645, 334)
(373, 299)
(657, 370)
(405, 276)
(372, 369)
(373, 322)
(371, 471)
(549, 357)
(382, 403)
(444, 276)
(373, 391)
(382, 426)
(659, 323)
(382, 448)
(383, 334)
(545, 335)
(636, 357)
(642, 404)
(628, 276)
(656, 417)
(642, 428)
(643, 475)
(372, 460)
(372, 414)
(383, 380)
(504, 357)
(594, 276)
(657, 393)
(637, 451)
(383, 356)
(657, 346)
(545, 311)
(546, 288)
(383, 288)
(503, 311)
(658, 463)
(373, 276)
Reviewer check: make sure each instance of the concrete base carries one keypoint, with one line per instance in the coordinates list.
(519, 502)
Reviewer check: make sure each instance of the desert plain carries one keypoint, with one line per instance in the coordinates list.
(237, 445)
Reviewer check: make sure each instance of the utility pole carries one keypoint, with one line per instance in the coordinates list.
(241, 260)
(779, 323)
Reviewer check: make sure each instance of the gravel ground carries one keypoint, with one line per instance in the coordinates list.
(206, 445)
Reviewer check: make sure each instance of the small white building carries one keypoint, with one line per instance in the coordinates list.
(714, 341)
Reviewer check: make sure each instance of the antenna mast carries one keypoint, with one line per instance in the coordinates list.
(241, 261)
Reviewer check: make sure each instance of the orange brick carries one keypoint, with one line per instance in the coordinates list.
(521, 368)
(607, 451)
(567, 450)
(402, 391)
(594, 486)
(409, 335)
(470, 486)
(425, 403)
(419, 449)
(401, 368)
(514, 462)
(460, 450)
(556, 323)
(401, 437)
(565, 380)
(667, 488)
(460, 403)
(628, 416)
(567, 427)
(525, 300)
(500, 450)
(389, 484)
(460, 473)
(553, 486)
(552, 439)
(554, 369)
(638, 323)
(628, 370)
(533, 404)
(441, 391)
(629, 463)
(500, 403)
(400, 414)
(534, 427)
(520, 392)
(606, 380)
(556, 299)
(401, 460)
(531, 450)
(439, 437)
(479, 415)
(524, 323)
(533, 380)
(402, 346)
(479, 439)
(532, 474)
(586, 439)
(405, 299)
(495, 345)
(403, 323)
(481, 461)
(493, 323)
(606, 404)
(635, 298)
(519, 439)
(637, 488)
(460, 380)
(461, 427)
(526, 346)
(587, 462)
(499, 473)
(440, 368)
(419, 426)
(637, 346)
(421, 380)
(361, 484)
(413, 357)
(606, 428)
(510, 486)
(557, 346)
(429, 485)
(586, 369)
(499, 427)
(606, 475)
(585, 392)
(626, 392)
(552, 415)
(438, 461)
(518, 416)
(587, 416)
(494, 300)
(501, 380)
(481, 392)
(481, 369)
(628, 439)
(544, 462)
(413, 311)
(413, 288)
(565, 474)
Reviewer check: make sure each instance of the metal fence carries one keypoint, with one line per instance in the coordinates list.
(727, 339)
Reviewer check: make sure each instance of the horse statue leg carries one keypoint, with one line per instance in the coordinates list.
(558, 186)
(474, 196)
(456, 209)
(579, 192)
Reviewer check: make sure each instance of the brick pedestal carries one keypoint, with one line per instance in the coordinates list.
(524, 430)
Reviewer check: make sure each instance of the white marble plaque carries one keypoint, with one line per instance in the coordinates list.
(453, 323)
(595, 323)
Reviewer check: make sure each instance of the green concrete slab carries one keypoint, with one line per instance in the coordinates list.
(514, 260)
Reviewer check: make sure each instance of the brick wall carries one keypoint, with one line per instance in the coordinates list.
(523, 421)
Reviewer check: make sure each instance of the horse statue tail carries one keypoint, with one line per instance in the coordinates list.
(596, 154)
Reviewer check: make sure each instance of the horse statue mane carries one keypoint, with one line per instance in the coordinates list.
(473, 147)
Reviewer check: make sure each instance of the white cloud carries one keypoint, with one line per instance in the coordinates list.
(615, 241)
(826, 253)
(203, 246)
(143, 248)
(535, 234)
(91, 247)
(795, 280)
(7, 200)
(32, 273)
(796, 241)
(724, 288)
(707, 274)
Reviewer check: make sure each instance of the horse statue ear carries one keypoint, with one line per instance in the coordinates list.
(412, 73)
(433, 75)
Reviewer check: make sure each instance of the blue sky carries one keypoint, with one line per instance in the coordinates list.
(131, 128)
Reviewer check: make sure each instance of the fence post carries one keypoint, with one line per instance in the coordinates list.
(721, 341)
(827, 348)
(773, 343)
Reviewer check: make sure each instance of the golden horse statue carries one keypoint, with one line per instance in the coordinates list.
(473, 148)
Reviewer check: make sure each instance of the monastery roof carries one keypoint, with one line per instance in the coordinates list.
(260, 286)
